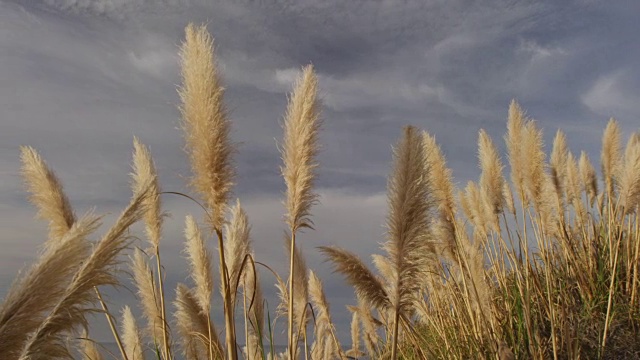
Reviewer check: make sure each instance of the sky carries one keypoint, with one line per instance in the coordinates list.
(80, 78)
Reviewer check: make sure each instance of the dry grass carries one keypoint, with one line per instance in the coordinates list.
(542, 266)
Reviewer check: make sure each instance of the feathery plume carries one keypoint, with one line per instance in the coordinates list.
(46, 194)
(408, 245)
(513, 139)
(573, 188)
(237, 244)
(441, 185)
(534, 166)
(131, 336)
(387, 273)
(558, 163)
(480, 290)
(194, 327)
(32, 296)
(630, 179)
(355, 334)
(205, 123)
(611, 156)
(473, 205)
(507, 194)
(588, 177)
(144, 174)
(200, 264)
(545, 205)
(366, 284)
(439, 174)
(97, 270)
(299, 150)
(491, 178)
(407, 221)
(147, 295)
(324, 331)
(370, 334)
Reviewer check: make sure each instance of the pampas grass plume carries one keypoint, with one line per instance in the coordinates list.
(630, 179)
(97, 270)
(237, 244)
(131, 336)
(46, 194)
(588, 177)
(299, 150)
(491, 178)
(558, 163)
(32, 296)
(611, 155)
(147, 295)
(200, 263)
(144, 174)
(206, 124)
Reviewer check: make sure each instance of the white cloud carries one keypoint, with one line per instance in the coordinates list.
(154, 56)
(539, 52)
(608, 96)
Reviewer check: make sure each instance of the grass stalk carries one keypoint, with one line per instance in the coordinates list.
(291, 293)
(112, 326)
(163, 311)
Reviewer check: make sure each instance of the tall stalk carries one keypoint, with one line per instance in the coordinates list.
(230, 336)
(299, 150)
(291, 289)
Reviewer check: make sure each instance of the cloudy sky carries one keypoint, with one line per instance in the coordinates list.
(80, 78)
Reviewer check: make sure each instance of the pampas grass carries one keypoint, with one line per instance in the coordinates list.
(491, 179)
(147, 296)
(299, 150)
(588, 177)
(47, 194)
(442, 191)
(611, 156)
(131, 336)
(200, 264)
(97, 270)
(198, 336)
(326, 344)
(630, 176)
(33, 295)
(407, 245)
(206, 124)
(237, 245)
(558, 163)
(207, 127)
(144, 175)
(458, 277)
